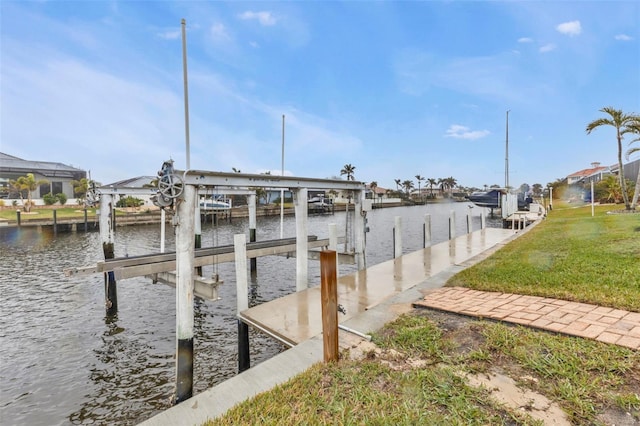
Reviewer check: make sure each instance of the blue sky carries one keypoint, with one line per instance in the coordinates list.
(397, 89)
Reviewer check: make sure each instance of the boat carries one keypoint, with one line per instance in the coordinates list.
(215, 204)
(490, 199)
(493, 198)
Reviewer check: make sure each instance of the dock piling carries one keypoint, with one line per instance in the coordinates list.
(184, 293)
(242, 302)
(452, 225)
(329, 300)
(302, 244)
(397, 237)
(251, 201)
(198, 232)
(426, 231)
(55, 222)
(107, 238)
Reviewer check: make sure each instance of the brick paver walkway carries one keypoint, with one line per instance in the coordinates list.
(577, 319)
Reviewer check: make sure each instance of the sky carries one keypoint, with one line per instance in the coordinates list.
(396, 89)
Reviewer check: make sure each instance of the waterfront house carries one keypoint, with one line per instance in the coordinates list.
(57, 175)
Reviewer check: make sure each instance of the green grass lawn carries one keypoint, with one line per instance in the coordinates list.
(46, 213)
(570, 255)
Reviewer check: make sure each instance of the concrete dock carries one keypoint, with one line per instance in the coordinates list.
(371, 298)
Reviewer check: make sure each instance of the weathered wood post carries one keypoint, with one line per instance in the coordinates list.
(426, 231)
(242, 302)
(452, 225)
(251, 201)
(302, 243)
(86, 224)
(482, 219)
(55, 222)
(107, 238)
(329, 300)
(184, 293)
(469, 222)
(397, 237)
(18, 217)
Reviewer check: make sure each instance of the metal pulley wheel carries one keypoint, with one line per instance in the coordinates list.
(92, 197)
(170, 186)
(161, 201)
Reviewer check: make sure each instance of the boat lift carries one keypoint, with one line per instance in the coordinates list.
(178, 190)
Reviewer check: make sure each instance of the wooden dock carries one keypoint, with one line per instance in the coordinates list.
(297, 317)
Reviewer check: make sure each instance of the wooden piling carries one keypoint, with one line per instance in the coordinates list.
(18, 216)
(242, 300)
(86, 223)
(55, 222)
(329, 300)
(469, 222)
(184, 293)
(107, 238)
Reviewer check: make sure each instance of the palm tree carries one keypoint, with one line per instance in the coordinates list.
(419, 179)
(431, 182)
(348, 170)
(634, 128)
(373, 185)
(408, 186)
(621, 122)
(397, 181)
(80, 188)
(27, 183)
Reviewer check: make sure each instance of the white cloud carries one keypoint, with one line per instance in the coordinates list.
(170, 35)
(547, 48)
(265, 18)
(623, 37)
(572, 28)
(525, 40)
(462, 132)
(219, 33)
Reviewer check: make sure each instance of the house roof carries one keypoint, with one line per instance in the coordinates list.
(11, 164)
(135, 182)
(587, 172)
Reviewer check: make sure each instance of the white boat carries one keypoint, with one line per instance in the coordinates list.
(218, 204)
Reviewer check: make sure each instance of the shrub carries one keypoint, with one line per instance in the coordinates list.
(49, 199)
(62, 198)
(129, 202)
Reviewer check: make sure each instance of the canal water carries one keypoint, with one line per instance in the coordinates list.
(62, 361)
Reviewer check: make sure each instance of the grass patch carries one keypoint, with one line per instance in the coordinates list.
(570, 256)
(586, 378)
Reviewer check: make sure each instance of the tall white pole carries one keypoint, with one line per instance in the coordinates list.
(282, 190)
(186, 90)
(506, 157)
